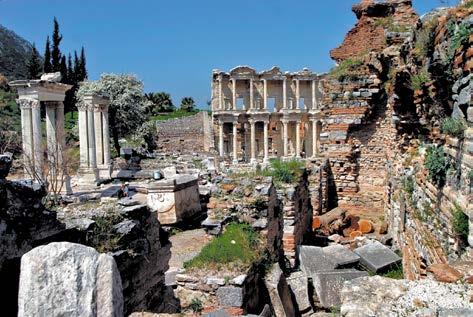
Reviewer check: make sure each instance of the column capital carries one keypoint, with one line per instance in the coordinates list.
(28, 103)
(285, 121)
(252, 121)
(82, 106)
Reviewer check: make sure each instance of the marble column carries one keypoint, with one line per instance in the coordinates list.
(298, 94)
(285, 137)
(27, 134)
(83, 139)
(220, 139)
(51, 135)
(235, 142)
(252, 97)
(234, 95)
(265, 94)
(253, 140)
(37, 136)
(317, 138)
(314, 96)
(298, 138)
(105, 135)
(91, 137)
(266, 142)
(60, 135)
(284, 94)
(220, 94)
(98, 129)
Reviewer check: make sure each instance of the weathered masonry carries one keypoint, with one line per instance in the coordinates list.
(266, 114)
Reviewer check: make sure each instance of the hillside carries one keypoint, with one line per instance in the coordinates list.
(14, 54)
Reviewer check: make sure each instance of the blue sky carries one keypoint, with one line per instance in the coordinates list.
(173, 45)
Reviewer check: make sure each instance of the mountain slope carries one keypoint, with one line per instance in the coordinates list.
(14, 54)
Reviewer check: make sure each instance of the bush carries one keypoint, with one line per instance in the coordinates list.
(238, 245)
(436, 164)
(396, 272)
(453, 127)
(389, 25)
(460, 37)
(419, 80)
(467, 5)
(196, 305)
(408, 186)
(285, 171)
(460, 222)
(347, 69)
(424, 40)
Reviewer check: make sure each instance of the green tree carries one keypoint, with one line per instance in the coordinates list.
(34, 64)
(82, 65)
(70, 70)
(63, 70)
(159, 102)
(187, 104)
(127, 102)
(47, 67)
(56, 51)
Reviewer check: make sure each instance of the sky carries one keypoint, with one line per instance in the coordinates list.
(174, 45)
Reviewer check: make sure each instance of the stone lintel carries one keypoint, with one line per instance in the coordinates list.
(40, 90)
(95, 99)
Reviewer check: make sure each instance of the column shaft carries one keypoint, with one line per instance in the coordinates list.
(265, 94)
(106, 137)
(51, 136)
(266, 142)
(253, 141)
(234, 94)
(220, 135)
(285, 138)
(314, 97)
(317, 137)
(235, 142)
(91, 137)
(284, 94)
(298, 95)
(83, 143)
(251, 95)
(98, 136)
(27, 135)
(298, 139)
(60, 135)
(220, 94)
(37, 136)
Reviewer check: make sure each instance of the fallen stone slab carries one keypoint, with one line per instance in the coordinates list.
(68, 279)
(341, 256)
(298, 284)
(279, 293)
(328, 285)
(376, 257)
(313, 260)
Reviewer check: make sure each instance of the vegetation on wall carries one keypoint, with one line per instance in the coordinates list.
(347, 69)
(436, 164)
(453, 127)
(460, 221)
(420, 79)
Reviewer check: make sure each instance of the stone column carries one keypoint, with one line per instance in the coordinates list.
(253, 140)
(284, 94)
(285, 137)
(314, 96)
(265, 94)
(252, 106)
(298, 95)
(51, 136)
(98, 135)
(220, 94)
(315, 138)
(235, 142)
(83, 142)
(37, 136)
(266, 142)
(234, 94)
(220, 138)
(61, 147)
(105, 136)
(298, 138)
(91, 137)
(27, 134)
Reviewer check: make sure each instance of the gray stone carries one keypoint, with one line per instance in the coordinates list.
(169, 172)
(260, 223)
(51, 77)
(313, 259)
(328, 285)
(128, 201)
(376, 257)
(67, 279)
(126, 227)
(230, 296)
(279, 292)
(217, 313)
(298, 284)
(341, 256)
(455, 312)
(239, 280)
(170, 277)
(212, 280)
(82, 224)
(5, 165)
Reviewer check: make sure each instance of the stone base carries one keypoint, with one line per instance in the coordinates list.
(88, 175)
(104, 172)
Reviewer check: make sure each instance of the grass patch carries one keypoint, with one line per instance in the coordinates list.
(179, 113)
(408, 186)
(104, 238)
(460, 221)
(436, 164)
(237, 245)
(453, 127)
(424, 40)
(396, 272)
(389, 25)
(419, 80)
(285, 171)
(347, 69)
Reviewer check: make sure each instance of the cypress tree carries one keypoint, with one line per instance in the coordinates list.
(47, 67)
(63, 70)
(56, 52)
(70, 70)
(83, 68)
(34, 64)
(76, 67)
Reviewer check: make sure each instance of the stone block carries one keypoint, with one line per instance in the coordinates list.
(328, 285)
(376, 257)
(341, 256)
(230, 296)
(68, 279)
(313, 260)
(298, 284)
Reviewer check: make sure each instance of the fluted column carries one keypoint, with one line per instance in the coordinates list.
(316, 141)
(27, 134)
(234, 98)
(98, 135)
(220, 139)
(83, 138)
(252, 97)
(284, 94)
(106, 136)
(285, 138)
(37, 136)
(235, 142)
(314, 96)
(51, 135)
(266, 142)
(91, 137)
(60, 135)
(265, 94)
(298, 139)
(298, 94)
(220, 94)
(253, 140)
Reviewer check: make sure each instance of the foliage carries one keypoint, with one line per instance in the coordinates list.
(408, 186)
(470, 176)
(178, 113)
(187, 104)
(285, 171)
(145, 137)
(419, 80)
(159, 102)
(104, 238)
(453, 127)
(196, 305)
(460, 221)
(10, 126)
(424, 40)
(238, 245)
(467, 5)
(390, 25)
(126, 108)
(34, 64)
(347, 69)
(436, 164)
(47, 67)
(396, 272)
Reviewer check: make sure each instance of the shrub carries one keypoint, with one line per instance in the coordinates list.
(389, 25)
(460, 221)
(396, 272)
(453, 127)
(408, 185)
(460, 36)
(285, 171)
(467, 5)
(347, 69)
(424, 40)
(419, 80)
(470, 176)
(196, 305)
(238, 245)
(436, 164)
